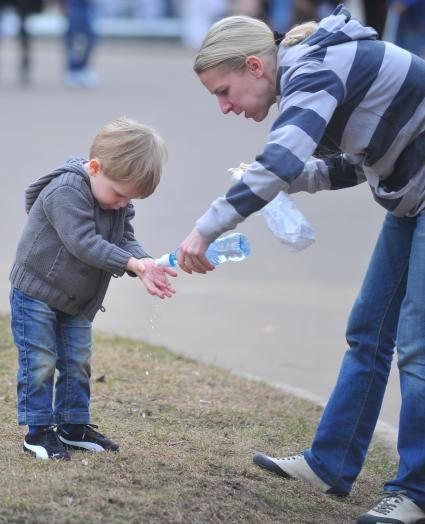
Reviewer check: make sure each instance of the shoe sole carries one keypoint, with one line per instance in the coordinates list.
(372, 520)
(89, 446)
(265, 462)
(40, 452)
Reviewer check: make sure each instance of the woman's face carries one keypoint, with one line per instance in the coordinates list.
(251, 91)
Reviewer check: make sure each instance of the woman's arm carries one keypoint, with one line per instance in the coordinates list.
(336, 172)
(307, 104)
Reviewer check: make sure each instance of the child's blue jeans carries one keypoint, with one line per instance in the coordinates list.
(47, 340)
(389, 312)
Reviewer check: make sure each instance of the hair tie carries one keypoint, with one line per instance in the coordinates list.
(278, 37)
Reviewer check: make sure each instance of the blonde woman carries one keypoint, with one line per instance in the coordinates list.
(360, 103)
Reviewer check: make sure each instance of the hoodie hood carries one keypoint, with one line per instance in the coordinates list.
(337, 28)
(72, 165)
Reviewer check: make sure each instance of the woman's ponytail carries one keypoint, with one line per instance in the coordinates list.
(298, 33)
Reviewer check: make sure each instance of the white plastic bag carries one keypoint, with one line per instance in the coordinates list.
(287, 223)
(283, 218)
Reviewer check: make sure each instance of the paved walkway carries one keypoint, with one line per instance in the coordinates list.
(277, 316)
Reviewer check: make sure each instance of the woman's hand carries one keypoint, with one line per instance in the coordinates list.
(191, 254)
(153, 277)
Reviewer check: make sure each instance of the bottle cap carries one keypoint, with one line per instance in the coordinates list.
(167, 260)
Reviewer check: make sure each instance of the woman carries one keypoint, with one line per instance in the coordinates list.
(358, 103)
(409, 18)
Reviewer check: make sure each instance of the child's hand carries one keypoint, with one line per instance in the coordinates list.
(154, 278)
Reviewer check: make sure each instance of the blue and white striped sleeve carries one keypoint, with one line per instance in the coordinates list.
(337, 172)
(306, 107)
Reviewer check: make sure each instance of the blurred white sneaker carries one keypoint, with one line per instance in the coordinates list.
(72, 79)
(86, 78)
(393, 508)
(89, 78)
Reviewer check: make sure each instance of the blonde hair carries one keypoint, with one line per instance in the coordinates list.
(130, 152)
(231, 40)
(299, 33)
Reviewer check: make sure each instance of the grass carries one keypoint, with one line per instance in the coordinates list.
(187, 434)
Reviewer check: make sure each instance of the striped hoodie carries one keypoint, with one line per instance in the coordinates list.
(351, 109)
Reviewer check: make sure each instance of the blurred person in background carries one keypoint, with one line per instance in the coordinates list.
(407, 18)
(197, 17)
(24, 8)
(80, 40)
(254, 8)
(305, 10)
(375, 13)
(283, 14)
(150, 9)
(280, 14)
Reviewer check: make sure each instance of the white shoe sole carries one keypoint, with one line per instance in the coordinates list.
(41, 453)
(91, 446)
(38, 451)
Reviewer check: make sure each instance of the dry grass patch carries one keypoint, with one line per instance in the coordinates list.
(187, 434)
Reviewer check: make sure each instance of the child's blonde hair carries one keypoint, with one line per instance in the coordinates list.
(231, 40)
(130, 152)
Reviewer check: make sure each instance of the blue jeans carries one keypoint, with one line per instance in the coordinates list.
(48, 339)
(80, 37)
(389, 312)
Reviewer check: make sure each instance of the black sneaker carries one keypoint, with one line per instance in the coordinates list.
(45, 445)
(85, 437)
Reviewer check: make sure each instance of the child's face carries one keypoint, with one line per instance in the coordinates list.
(110, 194)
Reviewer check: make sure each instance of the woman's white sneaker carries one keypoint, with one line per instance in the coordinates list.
(294, 466)
(394, 508)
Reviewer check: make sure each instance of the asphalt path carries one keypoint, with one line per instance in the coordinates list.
(277, 316)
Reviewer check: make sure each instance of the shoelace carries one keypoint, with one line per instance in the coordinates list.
(48, 432)
(51, 437)
(389, 502)
(89, 430)
(292, 457)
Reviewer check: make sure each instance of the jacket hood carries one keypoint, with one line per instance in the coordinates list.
(72, 165)
(337, 28)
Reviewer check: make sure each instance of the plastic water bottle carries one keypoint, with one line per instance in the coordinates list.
(233, 247)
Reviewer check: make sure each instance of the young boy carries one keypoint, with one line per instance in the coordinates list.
(77, 236)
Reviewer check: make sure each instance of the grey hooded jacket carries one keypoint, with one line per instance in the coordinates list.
(70, 247)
